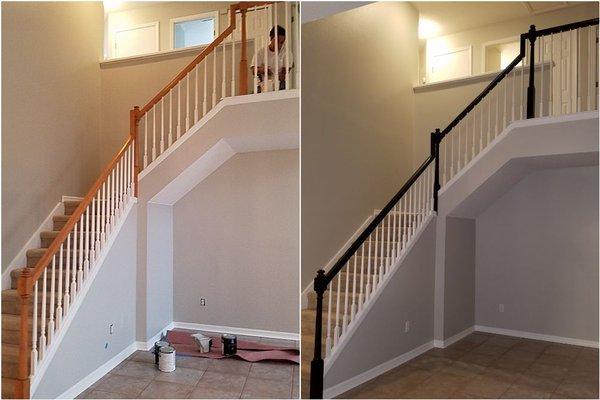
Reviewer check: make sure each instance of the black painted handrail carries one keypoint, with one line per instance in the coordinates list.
(567, 27)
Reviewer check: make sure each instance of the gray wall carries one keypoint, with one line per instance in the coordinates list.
(537, 253)
(408, 296)
(159, 285)
(110, 300)
(50, 110)
(357, 120)
(236, 244)
(459, 293)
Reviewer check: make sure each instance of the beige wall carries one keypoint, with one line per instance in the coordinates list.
(506, 29)
(50, 110)
(235, 243)
(357, 107)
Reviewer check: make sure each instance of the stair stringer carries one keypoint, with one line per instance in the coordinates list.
(43, 368)
(526, 145)
(418, 256)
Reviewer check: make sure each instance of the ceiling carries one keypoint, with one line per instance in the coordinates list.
(463, 15)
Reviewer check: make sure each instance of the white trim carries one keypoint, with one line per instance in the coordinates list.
(71, 198)
(442, 344)
(113, 34)
(214, 15)
(147, 345)
(226, 102)
(309, 287)
(355, 323)
(98, 373)
(374, 372)
(74, 307)
(34, 241)
(537, 336)
(238, 331)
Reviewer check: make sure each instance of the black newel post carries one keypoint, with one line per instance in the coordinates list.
(531, 88)
(436, 138)
(317, 364)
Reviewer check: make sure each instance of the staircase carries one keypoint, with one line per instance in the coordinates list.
(556, 81)
(11, 301)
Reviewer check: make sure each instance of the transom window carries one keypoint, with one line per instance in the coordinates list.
(194, 30)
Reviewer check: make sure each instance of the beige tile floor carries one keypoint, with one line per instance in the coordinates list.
(198, 378)
(491, 366)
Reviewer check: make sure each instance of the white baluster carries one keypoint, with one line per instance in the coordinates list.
(590, 40)
(170, 137)
(487, 100)
(346, 311)
(382, 258)
(204, 101)
(145, 140)
(336, 330)
(59, 308)
(353, 308)
(86, 261)
(196, 90)
(390, 237)
(541, 47)
(224, 76)
(43, 341)
(402, 223)
(276, 48)
(34, 336)
(103, 215)
(52, 296)
(287, 46)
(233, 63)
(328, 338)
(153, 133)
(266, 63)
(178, 110)
(522, 90)
(187, 100)
(80, 265)
(74, 265)
(67, 297)
(214, 79)
(368, 287)
(255, 58)
(505, 101)
(162, 125)
(514, 101)
(376, 258)
(94, 231)
(361, 296)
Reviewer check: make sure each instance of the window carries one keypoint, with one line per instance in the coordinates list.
(194, 30)
(450, 64)
(135, 40)
(498, 54)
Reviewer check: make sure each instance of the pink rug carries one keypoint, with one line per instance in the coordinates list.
(250, 351)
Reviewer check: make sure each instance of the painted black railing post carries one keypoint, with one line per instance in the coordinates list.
(317, 364)
(531, 88)
(436, 138)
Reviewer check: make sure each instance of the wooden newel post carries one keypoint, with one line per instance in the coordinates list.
(24, 289)
(133, 131)
(244, 59)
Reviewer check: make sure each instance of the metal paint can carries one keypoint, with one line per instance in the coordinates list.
(157, 346)
(229, 344)
(166, 359)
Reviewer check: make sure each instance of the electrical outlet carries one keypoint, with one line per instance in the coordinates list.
(501, 307)
(111, 329)
(202, 301)
(406, 326)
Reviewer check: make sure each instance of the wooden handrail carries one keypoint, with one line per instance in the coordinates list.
(204, 53)
(74, 218)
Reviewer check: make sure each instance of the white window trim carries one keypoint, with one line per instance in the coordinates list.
(130, 28)
(485, 45)
(211, 14)
(449, 51)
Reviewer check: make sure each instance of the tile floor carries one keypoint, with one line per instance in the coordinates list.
(198, 378)
(491, 366)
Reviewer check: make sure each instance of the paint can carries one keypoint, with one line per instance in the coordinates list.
(166, 359)
(229, 343)
(157, 346)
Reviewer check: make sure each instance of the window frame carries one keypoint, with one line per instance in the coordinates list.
(207, 15)
(492, 43)
(113, 38)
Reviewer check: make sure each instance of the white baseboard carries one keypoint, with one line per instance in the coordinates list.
(309, 287)
(74, 307)
(71, 198)
(238, 331)
(442, 344)
(139, 345)
(374, 372)
(34, 241)
(89, 380)
(537, 336)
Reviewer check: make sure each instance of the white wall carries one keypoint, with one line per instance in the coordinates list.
(537, 253)
(236, 244)
(87, 344)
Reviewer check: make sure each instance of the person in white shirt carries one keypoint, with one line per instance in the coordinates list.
(266, 83)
